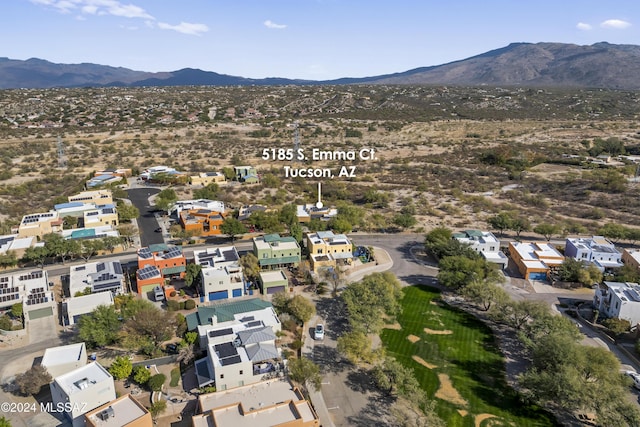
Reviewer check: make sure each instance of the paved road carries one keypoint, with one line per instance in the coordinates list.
(147, 222)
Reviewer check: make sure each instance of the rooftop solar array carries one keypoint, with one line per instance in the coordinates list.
(100, 266)
(117, 267)
(30, 276)
(4, 279)
(172, 253)
(227, 353)
(254, 323)
(36, 217)
(148, 272)
(220, 332)
(104, 286)
(144, 253)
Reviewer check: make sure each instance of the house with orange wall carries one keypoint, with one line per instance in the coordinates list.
(535, 260)
(169, 260)
(202, 222)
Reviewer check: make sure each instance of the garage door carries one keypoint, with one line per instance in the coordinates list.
(214, 296)
(537, 276)
(40, 313)
(275, 289)
(236, 293)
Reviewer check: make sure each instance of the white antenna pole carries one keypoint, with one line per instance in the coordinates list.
(319, 204)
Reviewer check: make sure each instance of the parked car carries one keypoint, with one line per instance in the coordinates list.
(318, 333)
(635, 377)
(158, 230)
(158, 293)
(171, 349)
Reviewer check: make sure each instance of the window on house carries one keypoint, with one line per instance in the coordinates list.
(492, 248)
(221, 376)
(241, 371)
(584, 255)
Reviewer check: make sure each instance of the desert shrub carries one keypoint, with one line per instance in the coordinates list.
(175, 377)
(172, 294)
(189, 304)
(173, 305)
(156, 382)
(141, 375)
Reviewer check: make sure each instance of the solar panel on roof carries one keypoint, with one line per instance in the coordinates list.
(117, 267)
(103, 286)
(100, 266)
(254, 323)
(220, 332)
(230, 360)
(225, 350)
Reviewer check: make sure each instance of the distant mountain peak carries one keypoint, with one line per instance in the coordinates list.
(544, 64)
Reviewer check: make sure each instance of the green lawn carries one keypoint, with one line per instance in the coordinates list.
(469, 356)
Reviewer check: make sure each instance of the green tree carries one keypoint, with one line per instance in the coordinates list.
(8, 259)
(192, 275)
(232, 227)
(191, 337)
(393, 377)
(127, 232)
(141, 375)
(372, 299)
(404, 220)
(303, 371)
(547, 230)
(101, 327)
(121, 368)
(356, 347)
(36, 254)
(520, 224)
(89, 248)
(110, 243)
(617, 326)
(4, 422)
(485, 295)
(288, 215)
(166, 199)
(458, 271)
(156, 382)
(157, 408)
(501, 222)
(569, 270)
(17, 310)
(127, 212)
(517, 313)
(269, 222)
(250, 266)
(301, 308)
(209, 192)
(613, 232)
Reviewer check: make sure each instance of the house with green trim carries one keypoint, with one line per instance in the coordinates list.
(274, 251)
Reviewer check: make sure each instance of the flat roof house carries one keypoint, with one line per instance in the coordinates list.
(125, 411)
(32, 290)
(186, 205)
(206, 178)
(272, 282)
(535, 260)
(327, 248)
(82, 390)
(486, 244)
(219, 256)
(95, 197)
(595, 250)
(221, 282)
(18, 245)
(274, 251)
(631, 257)
(168, 259)
(99, 276)
(66, 358)
(274, 402)
(39, 224)
(202, 222)
(619, 300)
(75, 307)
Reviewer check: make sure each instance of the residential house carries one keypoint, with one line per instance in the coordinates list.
(618, 300)
(121, 172)
(220, 256)
(240, 351)
(187, 205)
(100, 180)
(206, 178)
(39, 224)
(486, 244)
(168, 259)
(202, 222)
(32, 290)
(82, 390)
(96, 197)
(99, 276)
(75, 307)
(66, 358)
(272, 282)
(125, 411)
(245, 211)
(274, 251)
(147, 278)
(631, 257)
(326, 249)
(535, 260)
(246, 174)
(306, 213)
(73, 209)
(99, 216)
(596, 250)
(148, 174)
(17, 245)
(207, 315)
(221, 275)
(263, 404)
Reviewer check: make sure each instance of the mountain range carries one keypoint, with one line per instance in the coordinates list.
(601, 65)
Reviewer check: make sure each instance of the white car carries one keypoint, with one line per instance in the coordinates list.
(635, 377)
(318, 333)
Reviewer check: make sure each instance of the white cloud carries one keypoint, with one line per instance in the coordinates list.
(584, 27)
(97, 7)
(616, 24)
(185, 28)
(270, 24)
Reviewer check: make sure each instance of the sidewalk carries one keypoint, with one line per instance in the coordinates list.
(383, 262)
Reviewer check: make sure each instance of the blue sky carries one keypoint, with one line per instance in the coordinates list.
(307, 39)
